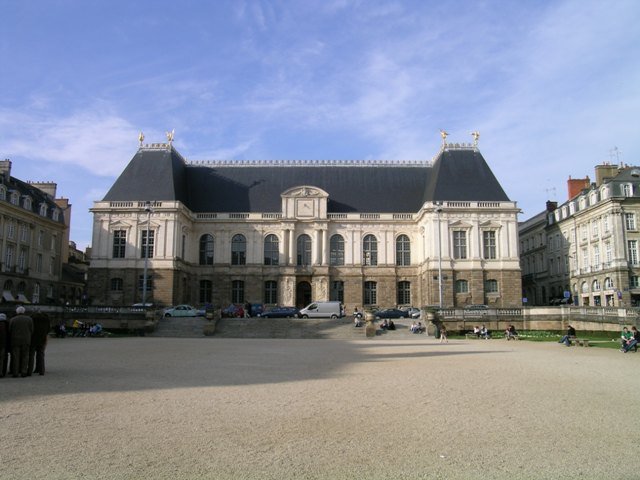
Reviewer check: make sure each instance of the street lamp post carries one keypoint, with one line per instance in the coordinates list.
(439, 211)
(148, 209)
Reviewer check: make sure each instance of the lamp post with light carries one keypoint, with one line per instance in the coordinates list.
(149, 210)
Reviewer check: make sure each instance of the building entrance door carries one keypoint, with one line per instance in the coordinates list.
(303, 294)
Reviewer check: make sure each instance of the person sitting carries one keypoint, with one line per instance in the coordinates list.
(392, 326)
(385, 324)
(420, 328)
(413, 327)
(476, 331)
(357, 320)
(633, 343)
(510, 333)
(625, 338)
(485, 333)
(571, 333)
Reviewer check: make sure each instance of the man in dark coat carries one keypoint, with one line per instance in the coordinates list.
(21, 329)
(4, 344)
(41, 327)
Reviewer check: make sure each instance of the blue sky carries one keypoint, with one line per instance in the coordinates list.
(552, 86)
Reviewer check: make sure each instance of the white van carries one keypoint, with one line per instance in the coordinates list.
(322, 309)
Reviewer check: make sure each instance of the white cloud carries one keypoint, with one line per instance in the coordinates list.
(97, 141)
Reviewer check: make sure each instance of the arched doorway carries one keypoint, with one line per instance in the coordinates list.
(303, 294)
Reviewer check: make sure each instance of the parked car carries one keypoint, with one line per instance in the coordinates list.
(280, 312)
(391, 313)
(412, 312)
(183, 311)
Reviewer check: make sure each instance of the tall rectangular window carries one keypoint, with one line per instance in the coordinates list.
(630, 221)
(608, 254)
(633, 251)
(271, 292)
(459, 244)
(147, 244)
(370, 293)
(205, 291)
(237, 291)
(337, 291)
(489, 244)
(634, 282)
(404, 293)
(119, 243)
(149, 282)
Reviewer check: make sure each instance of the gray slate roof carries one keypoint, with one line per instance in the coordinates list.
(162, 174)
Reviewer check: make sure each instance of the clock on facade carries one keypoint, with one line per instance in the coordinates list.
(304, 208)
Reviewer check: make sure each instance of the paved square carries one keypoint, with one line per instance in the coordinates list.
(156, 408)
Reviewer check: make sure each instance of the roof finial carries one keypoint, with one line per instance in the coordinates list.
(476, 136)
(444, 135)
(170, 136)
(141, 138)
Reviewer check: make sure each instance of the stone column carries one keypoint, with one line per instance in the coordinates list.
(325, 247)
(291, 246)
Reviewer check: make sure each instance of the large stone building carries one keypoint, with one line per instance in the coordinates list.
(34, 242)
(367, 233)
(586, 250)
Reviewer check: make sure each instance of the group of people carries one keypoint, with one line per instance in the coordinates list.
(83, 329)
(629, 339)
(483, 332)
(510, 333)
(387, 325)
(417, 327)
(23, 340)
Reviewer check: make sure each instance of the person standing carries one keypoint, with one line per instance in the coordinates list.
(443, 334)
(21, 329)
(41, 327)
(4, 344)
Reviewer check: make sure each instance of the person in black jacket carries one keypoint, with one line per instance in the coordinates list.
(4, 344)
(41, 327)
(571, 333)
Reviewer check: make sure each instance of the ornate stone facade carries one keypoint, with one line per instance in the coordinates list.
(308, 250)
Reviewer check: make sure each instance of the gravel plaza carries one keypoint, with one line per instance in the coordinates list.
(208, 408)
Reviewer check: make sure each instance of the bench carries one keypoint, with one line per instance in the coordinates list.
(579, 341)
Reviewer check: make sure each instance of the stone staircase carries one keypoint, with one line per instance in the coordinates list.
(186, 327)
(190, 327)
(303, 328)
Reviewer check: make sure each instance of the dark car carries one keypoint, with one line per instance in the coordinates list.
(279, 312)
(391, 313)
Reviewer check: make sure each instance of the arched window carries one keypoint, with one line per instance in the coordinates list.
(304, 250)
(336, 250)
(238, 250)
(585, 287)
(462, 286)
(370, 250)
(403, 251)
(596, 285)
(608, 283)
(206, 249)
(404, 293)
(271, 251)
(491, 286)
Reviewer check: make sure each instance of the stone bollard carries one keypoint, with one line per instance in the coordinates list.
(370, 327)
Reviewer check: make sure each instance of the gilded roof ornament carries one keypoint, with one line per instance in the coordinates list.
(141, 138)
(170, 135)
(476, 136)
(444, 136)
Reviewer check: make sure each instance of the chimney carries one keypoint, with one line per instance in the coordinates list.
(551, 206)
(605, 172)
(49, 188)
(5, 169)
(576, 185)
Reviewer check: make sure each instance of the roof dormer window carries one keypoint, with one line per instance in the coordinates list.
(26, 202)
(43, 209)
(56, 215)
(3, 192)
(14, 199)
(627, 190)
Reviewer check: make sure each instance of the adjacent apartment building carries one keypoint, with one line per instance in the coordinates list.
(366, 233)
(586, 250)
(34, 242)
